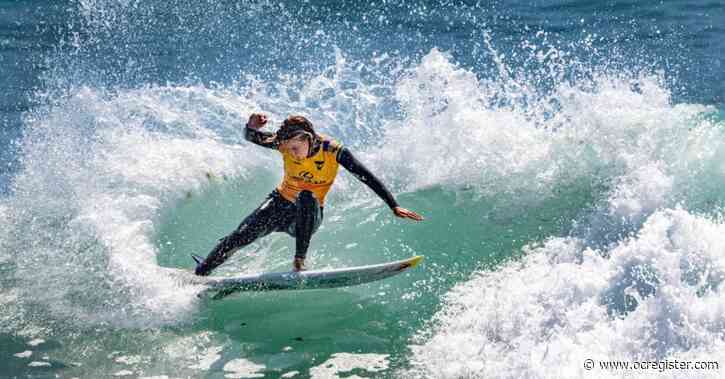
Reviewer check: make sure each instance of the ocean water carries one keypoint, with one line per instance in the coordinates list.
(569, 158)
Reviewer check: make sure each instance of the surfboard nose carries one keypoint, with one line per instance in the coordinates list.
(415, 260)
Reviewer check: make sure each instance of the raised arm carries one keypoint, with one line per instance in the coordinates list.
(256, 136)
(355, 167)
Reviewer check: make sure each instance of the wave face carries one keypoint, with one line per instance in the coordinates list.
(570, 172)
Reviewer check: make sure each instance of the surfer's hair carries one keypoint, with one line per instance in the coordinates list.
(298, 120)
(295, 125)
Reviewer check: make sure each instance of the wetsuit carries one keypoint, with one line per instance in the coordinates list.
(296, 205)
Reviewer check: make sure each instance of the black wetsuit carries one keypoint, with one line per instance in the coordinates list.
(299, 219)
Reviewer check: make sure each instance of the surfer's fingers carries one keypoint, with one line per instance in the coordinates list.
(406, 213)
(416, 216)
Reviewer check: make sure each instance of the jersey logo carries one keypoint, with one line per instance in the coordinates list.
(319, 164)
(307, 177)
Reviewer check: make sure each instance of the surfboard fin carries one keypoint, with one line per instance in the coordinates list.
(197, 259)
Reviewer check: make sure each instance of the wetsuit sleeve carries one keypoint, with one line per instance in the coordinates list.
(351, 164)
(259, 138)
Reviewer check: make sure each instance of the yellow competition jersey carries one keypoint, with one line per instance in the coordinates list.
(316, 173)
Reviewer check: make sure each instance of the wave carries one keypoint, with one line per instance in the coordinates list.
(589, 166)
(102, 166)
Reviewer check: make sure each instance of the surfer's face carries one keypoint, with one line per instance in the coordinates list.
(297, 147)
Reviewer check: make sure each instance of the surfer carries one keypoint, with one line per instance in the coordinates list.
(296, 206)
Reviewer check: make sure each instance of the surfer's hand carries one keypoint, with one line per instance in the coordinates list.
(406, 213)
(257, 120)
(299, 264)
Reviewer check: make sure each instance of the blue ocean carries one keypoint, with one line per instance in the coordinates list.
(568, 158)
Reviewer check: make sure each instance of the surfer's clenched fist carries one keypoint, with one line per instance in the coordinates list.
(257, 120)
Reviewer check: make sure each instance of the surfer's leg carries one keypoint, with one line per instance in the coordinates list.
(307, 220)
(275, 211)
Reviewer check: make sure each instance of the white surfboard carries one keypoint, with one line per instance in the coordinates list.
(220, 287)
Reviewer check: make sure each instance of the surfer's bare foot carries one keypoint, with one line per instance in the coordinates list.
(299, 265)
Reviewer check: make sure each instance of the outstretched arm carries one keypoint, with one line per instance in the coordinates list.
(355, 167)
(256, 136)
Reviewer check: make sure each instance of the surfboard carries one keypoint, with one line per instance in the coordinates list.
(220, 287)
